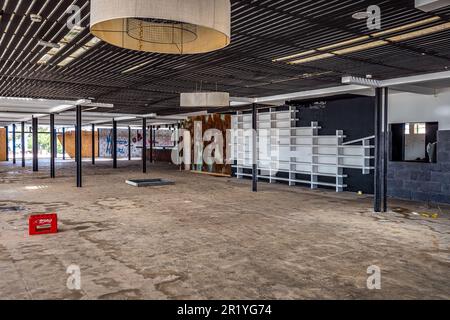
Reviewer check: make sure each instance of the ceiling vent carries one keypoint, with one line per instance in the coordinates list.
(48, 44)
(35, 18)
(431, 5)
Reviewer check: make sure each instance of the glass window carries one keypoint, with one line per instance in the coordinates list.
(414, 142)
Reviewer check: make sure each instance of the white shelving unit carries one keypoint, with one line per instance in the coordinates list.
(296, 151)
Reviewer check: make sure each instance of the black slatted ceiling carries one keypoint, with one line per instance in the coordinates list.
(262, 30)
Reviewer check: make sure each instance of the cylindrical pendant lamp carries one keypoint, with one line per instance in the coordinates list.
(163, 26)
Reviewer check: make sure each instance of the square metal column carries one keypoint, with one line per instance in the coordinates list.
(385, 149)
(22, 142)
(93, 144)
(64, 143)
(144, 145)
(52, 146)
(78, 156)
(378, 150)
(76, 144)
(114, 144)
(129, 143)
(14, 142)
(35, 144)
(151, 144)
(255, 149)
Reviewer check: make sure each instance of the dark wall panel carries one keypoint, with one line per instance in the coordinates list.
(354, 115)
(423, 181)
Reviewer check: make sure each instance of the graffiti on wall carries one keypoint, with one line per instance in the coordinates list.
(163, 138)
(105, 142)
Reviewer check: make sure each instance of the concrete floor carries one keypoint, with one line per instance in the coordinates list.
(211, 238)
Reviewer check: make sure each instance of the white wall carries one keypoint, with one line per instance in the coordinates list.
(415, 146)
(410, 107)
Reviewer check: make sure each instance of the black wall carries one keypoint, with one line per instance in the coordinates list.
(355, 115)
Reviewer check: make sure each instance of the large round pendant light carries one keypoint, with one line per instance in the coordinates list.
(164, 26)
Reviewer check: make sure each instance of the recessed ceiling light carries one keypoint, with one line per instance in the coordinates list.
(369, 45)
(313, 58)
(407, 26)
(360, 15)
(80, 51)
(72, 34)
(35, 18)
(48, 44)
(361, 47)
(134, 68)
(344, 43)
(295, 56)
(421, 32)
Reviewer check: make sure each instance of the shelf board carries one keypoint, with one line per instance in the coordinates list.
(328, 184)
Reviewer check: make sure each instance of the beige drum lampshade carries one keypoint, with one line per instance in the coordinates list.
(163, 26)
(205, 99)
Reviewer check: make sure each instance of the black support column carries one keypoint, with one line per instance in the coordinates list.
(129, 143)
(76, 144)
(64, 143)
(7, 143)
(52, 146)
(93, 144)
(14, 142)
(378, 149)
(78, 148)
(114, 144)
(22, 142)
(385, 148)
(35, 144)
(144, 145)
(151, 144)
(255, 150)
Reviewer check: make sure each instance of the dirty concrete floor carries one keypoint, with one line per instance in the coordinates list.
(211, 238)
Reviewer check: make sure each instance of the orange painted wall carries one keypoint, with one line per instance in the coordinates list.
(2, 144)
(86, 140)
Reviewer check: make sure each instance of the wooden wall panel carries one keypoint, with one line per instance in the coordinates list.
(213, 121)
(2, 144)
(86, 143)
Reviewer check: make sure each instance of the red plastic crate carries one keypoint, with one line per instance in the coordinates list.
(43, 224)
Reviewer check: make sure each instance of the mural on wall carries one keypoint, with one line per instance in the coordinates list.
(122, 143)
(212, 121)
(163, 138)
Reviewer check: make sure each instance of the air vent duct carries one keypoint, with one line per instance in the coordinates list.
(431, 5)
